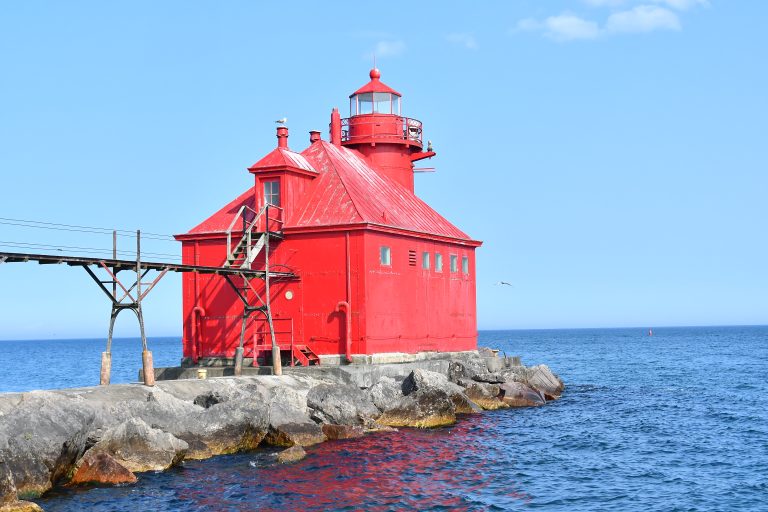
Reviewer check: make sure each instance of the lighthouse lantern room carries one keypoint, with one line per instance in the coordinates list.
(351, 264)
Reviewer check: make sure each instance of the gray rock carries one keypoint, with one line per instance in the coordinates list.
(41, 438)
(542, 378)
(340, 405)
(485, 395)
(227, 427)
(427, 408)
(293, 454)
(490, 378)
(139, 447)
(517, 394)
(335, 432)
(7, 487)
(289, 434)
(208, 399)
(420, 380)
(386, 393)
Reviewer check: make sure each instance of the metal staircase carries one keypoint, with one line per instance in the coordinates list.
(258, 229)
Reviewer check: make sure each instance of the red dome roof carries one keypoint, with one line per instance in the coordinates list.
(375, 85)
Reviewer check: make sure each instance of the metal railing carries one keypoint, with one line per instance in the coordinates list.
(267, 343)
(403, 128)
(272, 223)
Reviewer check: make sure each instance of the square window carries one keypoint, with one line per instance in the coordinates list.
(272, 192)
(465, 264)
(425, 260)
(385, 255)
(438, 262)
(454, 263)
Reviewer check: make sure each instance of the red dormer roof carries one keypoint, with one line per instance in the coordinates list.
(375, 85)
(281, 159)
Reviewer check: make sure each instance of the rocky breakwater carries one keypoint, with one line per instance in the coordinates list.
(105, 435)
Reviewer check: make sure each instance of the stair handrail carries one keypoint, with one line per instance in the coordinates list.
(246, 227)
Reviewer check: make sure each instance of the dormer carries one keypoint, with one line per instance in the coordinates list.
(281, 178)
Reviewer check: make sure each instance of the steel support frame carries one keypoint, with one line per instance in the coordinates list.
(127, 301)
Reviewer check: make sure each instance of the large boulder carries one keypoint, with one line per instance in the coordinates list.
(9, 501)
(7, 487)
(340, 404)
(517, 394)
(289, 434)
(139, 447)
(41, 438)
(484, 395)
(427, 408)
(542, 378)
(424, 379)
(101, 468)
(226, 427)
(386, 393)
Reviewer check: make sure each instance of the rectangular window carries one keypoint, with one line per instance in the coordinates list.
(425, 260)
(412, 258)
(272, 192)
(465, 264)
(438, 262)
(454, 263)
(385, 255)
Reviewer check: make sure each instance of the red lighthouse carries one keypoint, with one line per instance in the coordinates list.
(341, 260)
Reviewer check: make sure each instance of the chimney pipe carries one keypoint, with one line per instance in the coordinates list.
(335, 127)
(282, 137)
(314, 136)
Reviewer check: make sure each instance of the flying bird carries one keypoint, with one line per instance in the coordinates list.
(504, 283)
(282, 121)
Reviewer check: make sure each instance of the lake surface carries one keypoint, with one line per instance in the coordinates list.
(677, 421)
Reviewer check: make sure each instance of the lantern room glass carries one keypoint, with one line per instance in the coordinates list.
(374, 102)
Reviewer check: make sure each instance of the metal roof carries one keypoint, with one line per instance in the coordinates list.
(349, 191)
(282, 158)
(346, 191)
(375, 85)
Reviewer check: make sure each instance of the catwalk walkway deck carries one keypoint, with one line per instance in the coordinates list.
(80, 261)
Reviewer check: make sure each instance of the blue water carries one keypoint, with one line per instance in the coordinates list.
(677, 421)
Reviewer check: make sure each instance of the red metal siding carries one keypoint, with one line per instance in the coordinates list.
(410, 309)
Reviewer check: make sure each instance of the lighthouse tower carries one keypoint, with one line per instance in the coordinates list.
(376, 128)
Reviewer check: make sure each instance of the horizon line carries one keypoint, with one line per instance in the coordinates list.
(479, 331)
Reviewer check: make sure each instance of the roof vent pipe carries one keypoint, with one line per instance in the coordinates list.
(314, 136)
(282, 137)
(335, 127)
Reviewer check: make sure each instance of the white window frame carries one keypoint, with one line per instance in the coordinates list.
(385, 255)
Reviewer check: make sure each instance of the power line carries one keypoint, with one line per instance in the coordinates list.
(28, 245)
(83, 229)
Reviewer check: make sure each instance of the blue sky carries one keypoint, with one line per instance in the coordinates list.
(611, 154)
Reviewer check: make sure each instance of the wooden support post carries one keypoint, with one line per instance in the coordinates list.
(148, 367)
(238, 361)
(106, 368)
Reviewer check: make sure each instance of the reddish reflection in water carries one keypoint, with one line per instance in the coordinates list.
(446, 469)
